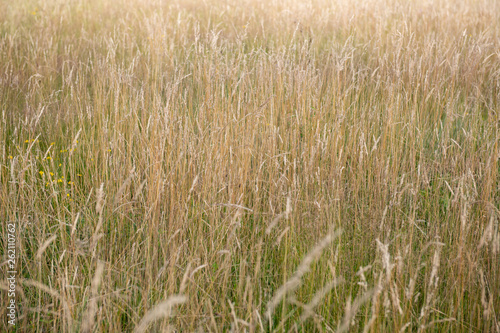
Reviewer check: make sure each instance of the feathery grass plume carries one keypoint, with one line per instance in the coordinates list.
(55, 294)
(123, 186)
(88, 320)
(295, 280)
(352, 310)
(280, 236)
(195, 182)
(430, 298)
(75, 142)
(488, 233)
(13, 178)
(184, 279)
(486, 298)
(361, 274)
(318, 296)
(491, 234)
(44, 246)
(73, 228)
(285, 214)
(236, 321)
(390, 288)
(159, 311)
(139, 190)
(99, 209)
(100, 199)
(375, 305)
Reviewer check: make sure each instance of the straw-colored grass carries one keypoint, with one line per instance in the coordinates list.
(255, 166)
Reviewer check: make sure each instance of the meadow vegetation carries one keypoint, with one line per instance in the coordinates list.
(251, 166)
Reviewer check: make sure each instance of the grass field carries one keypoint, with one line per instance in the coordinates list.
(251, 166)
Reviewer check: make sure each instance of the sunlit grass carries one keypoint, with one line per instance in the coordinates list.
(274, 166)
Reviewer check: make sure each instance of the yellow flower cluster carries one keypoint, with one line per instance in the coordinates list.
(59, 180)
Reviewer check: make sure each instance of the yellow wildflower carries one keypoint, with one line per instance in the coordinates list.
(41, 173)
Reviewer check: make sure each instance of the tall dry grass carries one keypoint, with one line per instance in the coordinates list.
(189, 165)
